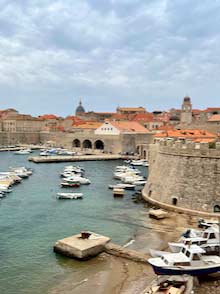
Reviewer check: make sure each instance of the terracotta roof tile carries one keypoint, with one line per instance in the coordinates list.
(129, 126)
(214, 118)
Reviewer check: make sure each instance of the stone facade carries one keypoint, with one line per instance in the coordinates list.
(185, 175)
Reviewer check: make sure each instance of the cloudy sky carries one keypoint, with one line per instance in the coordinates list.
(109, 52)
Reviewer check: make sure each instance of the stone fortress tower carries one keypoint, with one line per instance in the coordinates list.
(80, 109)
(186, 111)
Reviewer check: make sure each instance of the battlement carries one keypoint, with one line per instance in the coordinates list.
(188, 148)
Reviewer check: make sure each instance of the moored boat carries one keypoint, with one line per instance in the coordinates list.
(68, 184)
(118, 192)
(171, 284)
(23, 152)
(123, 186)
(70, 196)
(190, 260)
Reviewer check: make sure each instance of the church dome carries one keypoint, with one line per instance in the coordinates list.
(80, 108)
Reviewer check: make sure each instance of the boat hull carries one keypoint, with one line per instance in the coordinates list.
(188, 271)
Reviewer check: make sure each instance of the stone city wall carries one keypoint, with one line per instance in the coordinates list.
(13, 138)
(184, 174)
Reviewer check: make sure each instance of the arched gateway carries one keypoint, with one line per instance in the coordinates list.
(87, 144)
(76, 143)
(99, 145)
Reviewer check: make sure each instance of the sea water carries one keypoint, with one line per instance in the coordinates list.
(32, 220)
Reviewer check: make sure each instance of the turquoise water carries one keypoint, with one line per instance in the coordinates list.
(32, 219)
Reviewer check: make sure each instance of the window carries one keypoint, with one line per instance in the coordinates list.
(212, 236)
(205, 235)
(196, 257)
(187, 253)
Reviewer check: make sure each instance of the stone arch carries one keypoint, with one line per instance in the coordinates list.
(76, 143)
(216, 208)
(145, 154)
(99, 145)
(138, 149)
(87, 144)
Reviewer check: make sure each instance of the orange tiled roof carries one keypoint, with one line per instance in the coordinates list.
(187, 134)
(48, 116)
(214, 117)
(129, 126)
(146, 117)
(87, 125)
(166, 128)
(210, 109)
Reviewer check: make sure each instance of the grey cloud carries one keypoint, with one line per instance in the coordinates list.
(133, 51)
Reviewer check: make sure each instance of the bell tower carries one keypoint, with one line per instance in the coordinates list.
(186, 111)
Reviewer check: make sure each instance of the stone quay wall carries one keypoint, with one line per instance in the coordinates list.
(185, 175)
(13, 138)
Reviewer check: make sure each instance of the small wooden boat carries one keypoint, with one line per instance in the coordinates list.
(72, 184)
(72, 196)
(171, 284)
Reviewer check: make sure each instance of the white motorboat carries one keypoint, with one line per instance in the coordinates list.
(209, 241)
(22, 152)
(158, 253)
(5, 189)
(72, 184)
(123, 186)
(70, 196)
(140, 162)
(21, 172)
(140, 183)
(190, 260)
(123, 175)
(131, 179)
(81, 180)
(124, 168)
(44, 153)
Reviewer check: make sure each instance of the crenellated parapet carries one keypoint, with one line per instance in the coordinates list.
(188, 148)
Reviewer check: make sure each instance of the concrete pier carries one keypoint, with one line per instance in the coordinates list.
(79, 248)
(53, 159)
(83, 249)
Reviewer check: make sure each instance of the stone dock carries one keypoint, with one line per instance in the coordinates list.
(85, 248)
(54, 158)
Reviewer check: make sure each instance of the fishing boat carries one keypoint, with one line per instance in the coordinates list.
(190, 260)
(171, 284)
(157, 253)
(70, 196)
(209, 241)
(68, 184)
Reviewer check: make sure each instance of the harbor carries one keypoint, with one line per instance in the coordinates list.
(33, 219)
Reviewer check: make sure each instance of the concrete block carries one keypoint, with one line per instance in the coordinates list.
(79, 248)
